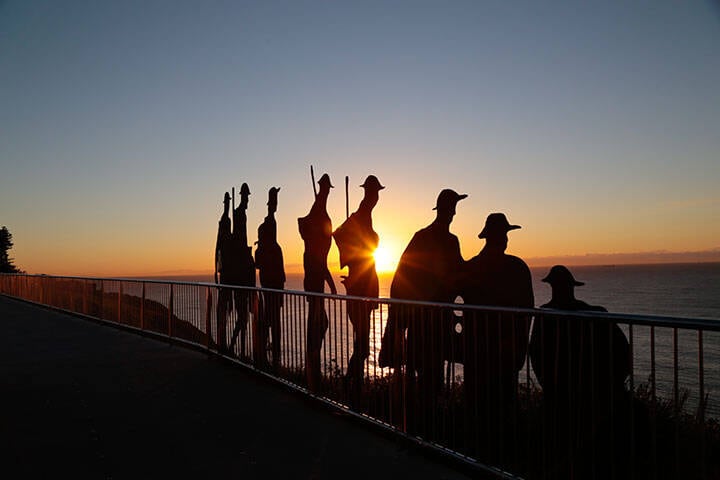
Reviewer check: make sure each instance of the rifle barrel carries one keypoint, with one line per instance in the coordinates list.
(347, 197)
(312, 177)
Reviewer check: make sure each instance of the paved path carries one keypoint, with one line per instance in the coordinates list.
(84, 400)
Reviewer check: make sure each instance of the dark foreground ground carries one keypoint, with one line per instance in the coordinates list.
(84, 400)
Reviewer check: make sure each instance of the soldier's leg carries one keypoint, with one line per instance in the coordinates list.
(242, 320)
(361, 343)
(259, 333)
(353, 317)
(317, 325)
(274, 311)
(240, 329)
(224, 302)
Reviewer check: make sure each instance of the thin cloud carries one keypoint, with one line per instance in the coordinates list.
(691, 203)
(659, 256)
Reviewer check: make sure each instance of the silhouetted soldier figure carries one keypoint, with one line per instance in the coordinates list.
(582, 365)
(223, 244)
(269, 262)
(495, 344)
(427, 271)
(357, 242)
(243, 270)
(316, 231)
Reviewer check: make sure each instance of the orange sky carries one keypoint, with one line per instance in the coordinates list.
(596, 129)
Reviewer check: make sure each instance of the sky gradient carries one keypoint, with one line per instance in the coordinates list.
(595, 126)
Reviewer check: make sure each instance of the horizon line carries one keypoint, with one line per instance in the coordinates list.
(334, 272)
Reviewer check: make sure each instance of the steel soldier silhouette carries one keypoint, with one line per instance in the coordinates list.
(357, 241)
(243, 270)
(271, 269)
(223, 245)
(495, 344)
(427, 271)
(582, 365)
(316, 231)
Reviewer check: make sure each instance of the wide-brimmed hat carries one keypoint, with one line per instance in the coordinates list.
(325, 179)
(560, 275)
(372, 182)
(226, 198)
(448, 198)
(244, 189)
(496, 223)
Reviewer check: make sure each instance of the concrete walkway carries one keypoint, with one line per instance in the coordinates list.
(84, 400)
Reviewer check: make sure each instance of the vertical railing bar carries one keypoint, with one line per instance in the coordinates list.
(326, 307)
(170, 313)
(702, 404)
(612, 400)
(298, 328)
(527, 386)
(653, 403)
(337, 325)
(631, 343)
(71, 293)
(294, 325)
(513, 399)
(371, 337)
(293, 313)
(298, 323)
(142, 308)
(119, 304)
(208, 317)
(701, 377)
(676, 400)
(288, 333)
(287, 305)
(593, 407)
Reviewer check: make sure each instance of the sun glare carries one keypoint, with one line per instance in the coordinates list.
(385, 261)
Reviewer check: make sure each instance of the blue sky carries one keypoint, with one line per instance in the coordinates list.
(595, 125)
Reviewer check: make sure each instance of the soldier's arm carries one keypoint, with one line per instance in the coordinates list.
(282, 265)
(528, 300)
(217, 251)
(330, 281)
(218, 264)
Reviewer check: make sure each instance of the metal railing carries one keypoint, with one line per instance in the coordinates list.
(583, 403)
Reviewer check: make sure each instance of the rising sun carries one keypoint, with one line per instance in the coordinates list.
(385, 261)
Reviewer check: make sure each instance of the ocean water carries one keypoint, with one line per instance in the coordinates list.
(676, 290)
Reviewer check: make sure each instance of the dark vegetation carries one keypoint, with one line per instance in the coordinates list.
(655, 438)
(6, 243)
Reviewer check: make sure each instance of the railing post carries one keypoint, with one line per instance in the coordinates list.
(120, 292)
(701, 375)
(102, 299)
(170, 310)
(71, 294)
(208, 310)
(142, 308)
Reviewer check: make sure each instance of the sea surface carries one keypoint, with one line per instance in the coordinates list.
(690, 290)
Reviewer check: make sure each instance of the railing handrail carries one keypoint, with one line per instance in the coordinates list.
(625, 318)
